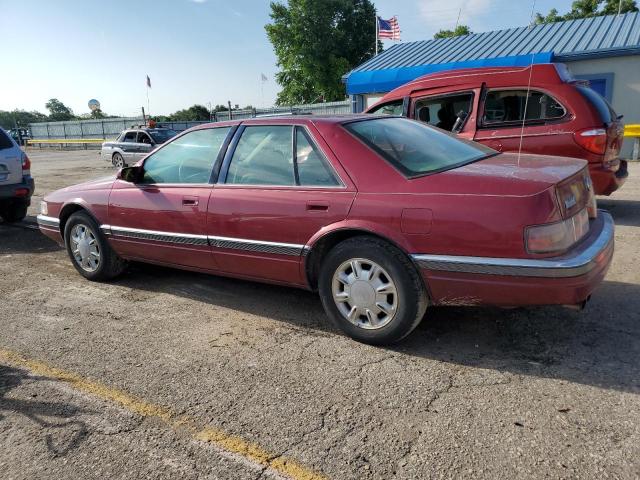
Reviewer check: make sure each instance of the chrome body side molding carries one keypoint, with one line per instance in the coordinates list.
(599, 243)
(278, 248)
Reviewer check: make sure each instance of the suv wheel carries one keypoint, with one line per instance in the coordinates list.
(14, 211)
(371, 290)
(90, 253)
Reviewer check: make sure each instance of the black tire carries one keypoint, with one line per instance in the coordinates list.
(118, 161)
(412, 297)
(110, 264)
(14, 211)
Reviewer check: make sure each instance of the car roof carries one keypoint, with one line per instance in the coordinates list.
(542, 73)
(288, 120)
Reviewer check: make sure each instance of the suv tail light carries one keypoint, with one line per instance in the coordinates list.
(26, 164)
(593, 140)
(557, 237)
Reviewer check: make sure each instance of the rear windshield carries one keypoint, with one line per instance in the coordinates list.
(416, 149)
(605, 110)
(5, 141)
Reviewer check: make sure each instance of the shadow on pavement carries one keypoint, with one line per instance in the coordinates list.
(624, 212)
(62, 433)
(599, 346)
(24, 237)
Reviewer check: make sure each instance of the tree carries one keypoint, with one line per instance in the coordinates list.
(457, 32)
(587, 9)
(58, 110)
(195, 112)
(316, 42)
(20, 118)
(98, 113)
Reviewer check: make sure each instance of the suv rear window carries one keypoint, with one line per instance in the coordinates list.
(414, 148)
(606, 112)
(5, 141)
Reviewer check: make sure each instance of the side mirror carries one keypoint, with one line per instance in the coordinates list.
(130, 174)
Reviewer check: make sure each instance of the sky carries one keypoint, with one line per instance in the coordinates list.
(194, 51)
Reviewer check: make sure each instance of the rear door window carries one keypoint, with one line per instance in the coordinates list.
(263, 156)
(446, 111)
(507, 107)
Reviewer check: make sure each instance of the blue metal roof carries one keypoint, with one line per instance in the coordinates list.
(594, 37)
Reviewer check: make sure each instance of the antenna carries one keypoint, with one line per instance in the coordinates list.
(526, 98)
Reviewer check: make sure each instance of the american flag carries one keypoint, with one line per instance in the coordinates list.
(389, 28)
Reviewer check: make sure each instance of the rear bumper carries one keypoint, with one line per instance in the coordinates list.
(605, 182)
(566, 279)
(9, 191)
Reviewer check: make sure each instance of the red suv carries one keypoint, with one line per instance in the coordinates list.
(564, 117)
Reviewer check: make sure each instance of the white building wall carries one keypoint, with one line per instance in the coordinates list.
(625, 94)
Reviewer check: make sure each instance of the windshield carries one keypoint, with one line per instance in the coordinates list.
(605, 110)
(414, 148)
(161, 136)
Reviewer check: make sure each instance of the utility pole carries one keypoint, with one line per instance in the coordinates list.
(230, 116)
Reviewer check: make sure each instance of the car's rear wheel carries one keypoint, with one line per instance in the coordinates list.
(117, 160)
(371, 290)
(13, 210)
(88, 249)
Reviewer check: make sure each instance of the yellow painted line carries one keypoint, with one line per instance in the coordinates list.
(67, 140)
(222, 440)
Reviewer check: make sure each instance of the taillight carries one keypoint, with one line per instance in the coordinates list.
(26, 164)
(593, 140)
(557, 237)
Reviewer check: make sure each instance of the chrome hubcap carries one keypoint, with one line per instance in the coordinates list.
(84, 248)
(364, 293)
(117, 161)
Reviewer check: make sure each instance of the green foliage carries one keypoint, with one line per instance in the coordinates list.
(316, 42)
(587, 9)
(195, 112)
(458, 31)
(20, 118)
(58, 111)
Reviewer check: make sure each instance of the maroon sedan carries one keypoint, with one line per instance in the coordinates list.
(384, 216)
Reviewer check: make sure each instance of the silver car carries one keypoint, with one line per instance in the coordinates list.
(133, 144)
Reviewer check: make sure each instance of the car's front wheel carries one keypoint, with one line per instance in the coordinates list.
(117, 160)
(88, 249)
(371, 290)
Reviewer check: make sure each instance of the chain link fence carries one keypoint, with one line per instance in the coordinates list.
(110, 128)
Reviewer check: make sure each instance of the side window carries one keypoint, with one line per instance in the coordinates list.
(263, 156)
(312, 167)
(143, 138)
(505, 106)
(188, 159)
(129, 137)
(448, 112)
(391, 108)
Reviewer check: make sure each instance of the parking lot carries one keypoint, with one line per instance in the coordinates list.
(171, 374)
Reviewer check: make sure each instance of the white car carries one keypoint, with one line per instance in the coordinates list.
(16, 184)
(133, 144)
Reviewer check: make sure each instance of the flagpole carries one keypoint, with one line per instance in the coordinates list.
(376, 22)
(148, 109)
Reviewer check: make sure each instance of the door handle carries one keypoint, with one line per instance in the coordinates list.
(190, 201)
(317, 207)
